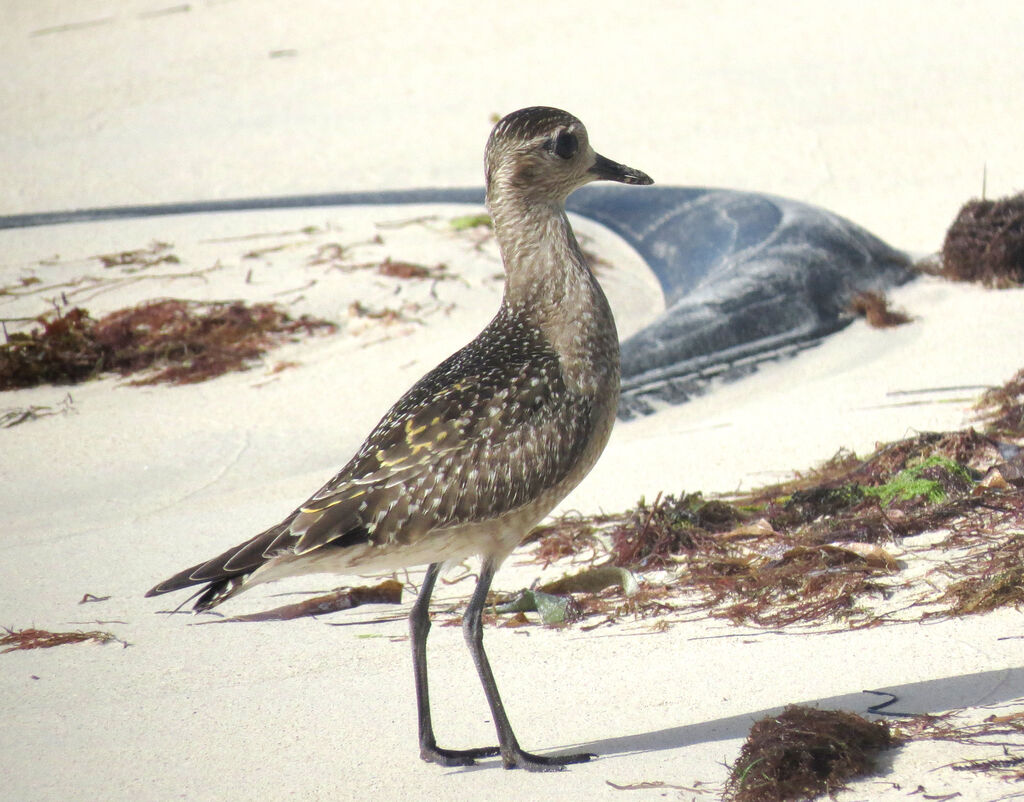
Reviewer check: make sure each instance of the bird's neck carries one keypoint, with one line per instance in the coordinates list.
(549, 282)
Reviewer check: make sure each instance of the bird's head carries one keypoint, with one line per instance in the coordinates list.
(543, 154)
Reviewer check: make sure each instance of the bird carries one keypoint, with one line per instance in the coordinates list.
(480, 449)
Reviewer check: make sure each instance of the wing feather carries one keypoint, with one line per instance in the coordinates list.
(480, 435)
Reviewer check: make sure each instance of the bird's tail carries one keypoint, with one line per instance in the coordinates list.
(226, 574)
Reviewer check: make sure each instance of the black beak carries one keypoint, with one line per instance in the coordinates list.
(607, 170)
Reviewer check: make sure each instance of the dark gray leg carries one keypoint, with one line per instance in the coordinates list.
(419, 626)
(512, 756)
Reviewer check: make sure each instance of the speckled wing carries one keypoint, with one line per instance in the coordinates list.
(479, 436)
(482, 434)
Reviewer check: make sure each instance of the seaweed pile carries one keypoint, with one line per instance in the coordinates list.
(985, 243)
(174, 341)
(820, 547)
(803, 753)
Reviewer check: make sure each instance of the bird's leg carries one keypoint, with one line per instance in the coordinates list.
(512, 756)
(419, 626)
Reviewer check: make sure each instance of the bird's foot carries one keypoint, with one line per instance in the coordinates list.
(455, 757)
(518, 759)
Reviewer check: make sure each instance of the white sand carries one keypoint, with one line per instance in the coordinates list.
(887, 114)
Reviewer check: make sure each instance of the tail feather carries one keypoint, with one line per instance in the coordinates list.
(225, 574)
(216, 592)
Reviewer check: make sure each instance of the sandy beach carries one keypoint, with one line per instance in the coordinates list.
(890, 115)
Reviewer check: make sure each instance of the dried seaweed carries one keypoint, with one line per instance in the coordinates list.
(613, 605)
(991, 576)
(567, 537)
(1003, 732)
(796, 553)
(407, 270)
(385, 315)
(804, 753)
(1002, 409)
(806, 584)
(829, 473)
(14, 416)
(17, 639)
(180, 341)
(874, 308)
(646, 785)
(652, 534)
(141, 258)
(985, 243)
(387, 592)
(335, 255)
(813, 549)
(902, 489)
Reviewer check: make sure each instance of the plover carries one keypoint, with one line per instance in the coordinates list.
(481, 448)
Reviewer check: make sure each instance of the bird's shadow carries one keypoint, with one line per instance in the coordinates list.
(927, 696)
(915, 698)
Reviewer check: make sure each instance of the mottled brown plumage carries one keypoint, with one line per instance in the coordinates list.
(481, 448)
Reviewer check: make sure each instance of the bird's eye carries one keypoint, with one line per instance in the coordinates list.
(565, 145)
